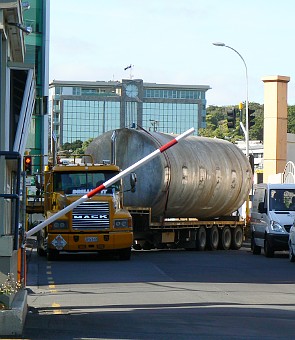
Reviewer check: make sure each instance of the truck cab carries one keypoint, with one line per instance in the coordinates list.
(272, 215)
(100, 224)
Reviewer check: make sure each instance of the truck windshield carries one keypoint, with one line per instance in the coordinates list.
(282, 199)
(81, 182)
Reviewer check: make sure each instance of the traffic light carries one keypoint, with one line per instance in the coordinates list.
(28, 164)
(231, 118)
(251, 118)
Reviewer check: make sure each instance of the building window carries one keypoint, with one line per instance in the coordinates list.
(77, 91)
(87, 119)
(174, 94)
(169, 117)
(58, 90)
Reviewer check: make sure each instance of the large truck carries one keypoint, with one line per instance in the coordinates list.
(188, 197)
(100, 224)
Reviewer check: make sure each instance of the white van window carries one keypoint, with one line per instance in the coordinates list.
(282, 200)
(258, 197)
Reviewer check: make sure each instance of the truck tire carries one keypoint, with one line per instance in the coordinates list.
(125, 254)
(237, 238)
(213, 238)
(201, 239)
(52, 254)
(268, 249)
(41, 252)
(225, 240)
(256, 250)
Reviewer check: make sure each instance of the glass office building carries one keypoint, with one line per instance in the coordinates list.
(84, 110)
(36, 17)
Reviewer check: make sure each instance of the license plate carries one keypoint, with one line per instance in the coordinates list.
(91, 239)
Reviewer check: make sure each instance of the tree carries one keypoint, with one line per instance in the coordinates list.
(70, 148)
(76, 148)
(256, 131)
(216, 123)
(86, 143)
(291, 119)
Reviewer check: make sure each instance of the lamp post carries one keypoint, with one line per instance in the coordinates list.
(246, 130)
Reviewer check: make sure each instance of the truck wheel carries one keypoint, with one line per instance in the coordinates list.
(125, 254)
(201, 239)
(291, 254)
(256, 250)
(41, 251)
(213, 238)
(237, 238)
(225, 238)
(52, 254)
(268, 250)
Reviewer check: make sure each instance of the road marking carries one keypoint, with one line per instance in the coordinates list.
(56, 311)
(52, 289)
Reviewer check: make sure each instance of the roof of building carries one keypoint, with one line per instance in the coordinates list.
(119, 84)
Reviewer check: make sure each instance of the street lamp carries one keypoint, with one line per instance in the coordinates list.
(246, 130)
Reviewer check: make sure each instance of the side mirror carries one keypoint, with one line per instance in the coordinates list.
(261, 208)
(133, 180)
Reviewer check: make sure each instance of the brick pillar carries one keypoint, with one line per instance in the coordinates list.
(275, 125)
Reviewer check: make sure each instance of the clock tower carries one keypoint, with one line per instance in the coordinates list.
(131, 102)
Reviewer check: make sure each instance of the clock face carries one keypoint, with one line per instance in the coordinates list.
(131, 90)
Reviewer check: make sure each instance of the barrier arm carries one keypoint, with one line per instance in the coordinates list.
(109, 182)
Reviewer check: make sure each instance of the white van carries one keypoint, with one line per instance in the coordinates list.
(272, 215)
(292, 244)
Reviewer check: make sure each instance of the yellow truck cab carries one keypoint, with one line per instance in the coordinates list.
(98, 224)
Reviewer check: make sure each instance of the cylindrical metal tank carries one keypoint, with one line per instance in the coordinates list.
(198, 177)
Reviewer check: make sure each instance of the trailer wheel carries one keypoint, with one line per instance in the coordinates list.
(225, 238)
(237, 238)
(213, 238)
(201, 239)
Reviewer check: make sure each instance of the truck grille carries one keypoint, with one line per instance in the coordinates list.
(91, 215)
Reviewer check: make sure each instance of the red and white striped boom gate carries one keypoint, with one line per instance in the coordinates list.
(109, 182)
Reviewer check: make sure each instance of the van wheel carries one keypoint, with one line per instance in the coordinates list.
(268, 250)
(237, 238)
(256, 250)
(225, 238)
(291, 254)
(213, 238)
(201, 239)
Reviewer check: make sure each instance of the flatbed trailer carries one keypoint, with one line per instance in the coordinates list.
(189, 233)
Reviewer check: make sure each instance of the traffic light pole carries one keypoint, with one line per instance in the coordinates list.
(246, 129)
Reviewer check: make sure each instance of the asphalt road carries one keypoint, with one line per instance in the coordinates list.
(162, 295)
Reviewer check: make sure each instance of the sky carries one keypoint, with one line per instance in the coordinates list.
(170, 42)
